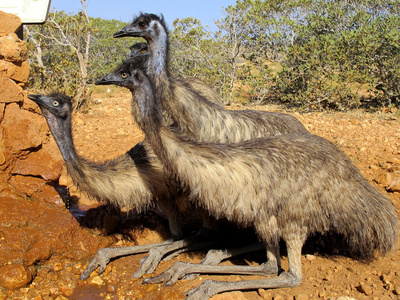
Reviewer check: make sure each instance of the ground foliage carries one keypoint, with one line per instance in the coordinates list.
(314, 54)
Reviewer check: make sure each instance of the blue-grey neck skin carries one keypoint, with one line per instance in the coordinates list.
(62, 133)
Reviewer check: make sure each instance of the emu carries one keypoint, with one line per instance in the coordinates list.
(193, 113)
(287, 186)
(135, 180)
(195, 84)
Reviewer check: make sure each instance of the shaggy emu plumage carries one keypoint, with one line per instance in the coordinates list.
(287, 187)
(142, 50)
(192, 112)
(135, 180)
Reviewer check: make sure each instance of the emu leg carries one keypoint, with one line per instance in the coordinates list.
(209, 266)
(214, 257)
(291, 278)
(103, 256)
(203, 239)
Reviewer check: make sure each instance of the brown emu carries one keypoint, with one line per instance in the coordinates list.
(193, 113)
(287, 186)
(135, 180)
(195, 84)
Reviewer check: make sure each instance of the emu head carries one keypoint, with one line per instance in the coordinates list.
(55, 104)
(139, 50)
(145, 25)
(124, 75)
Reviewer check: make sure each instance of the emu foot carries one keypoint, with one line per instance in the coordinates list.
(99, 260)
(150, 263)
(210, 288)
(103, 256)
(180, 269)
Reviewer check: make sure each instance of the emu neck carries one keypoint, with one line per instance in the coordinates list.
(62, 133)
(159, 54)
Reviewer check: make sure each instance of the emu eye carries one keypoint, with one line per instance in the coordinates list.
(141, 24)
(124, 75)
(56, 103)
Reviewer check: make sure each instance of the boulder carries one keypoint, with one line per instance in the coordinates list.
(14, 276)
(9, 90)
(16, 71)
(19, 129)
(13, 49)
(9, 23)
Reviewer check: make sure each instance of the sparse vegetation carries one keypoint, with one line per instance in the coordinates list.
(313, 54)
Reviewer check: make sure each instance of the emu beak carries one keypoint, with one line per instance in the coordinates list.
(36, 98)
(106, 80)
(121, 33)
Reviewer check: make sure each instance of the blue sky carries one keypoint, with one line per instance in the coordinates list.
(124, 10)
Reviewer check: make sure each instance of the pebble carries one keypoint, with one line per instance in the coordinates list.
(301, 297)
(277, 297)
(14, 276)
(365, 289)
(57, 267)
(397, 290)
(96, 280)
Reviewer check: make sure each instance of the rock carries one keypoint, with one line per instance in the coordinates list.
(46, 163)
(365, 289)
(397, 290)
(384, 178)
(264, 294)
(9, 90)
(18, 72)
(9, 23)
(96, 280)
(278, 297)
(394, 186)
(14, 276)
(13, 49)
(20, 131)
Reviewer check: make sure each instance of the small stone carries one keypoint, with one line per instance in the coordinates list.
(14, 276)
(110, 288)
(397, 290)
(394, 186)
(301, 297)
(310, 257)
(57, 267)
(365, 289)
(66, 290)
(96, 280)
(278, 297)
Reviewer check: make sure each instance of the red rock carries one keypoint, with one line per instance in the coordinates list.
(18, 72)
(20, 131)
(46, 163)
(9, 90)
(13, 49)
(9, 23)
(394, 186)
(14, 276)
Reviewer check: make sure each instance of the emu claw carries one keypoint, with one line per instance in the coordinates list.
(99, 260)
(149, 263)
(203, 291)
(172, 275)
